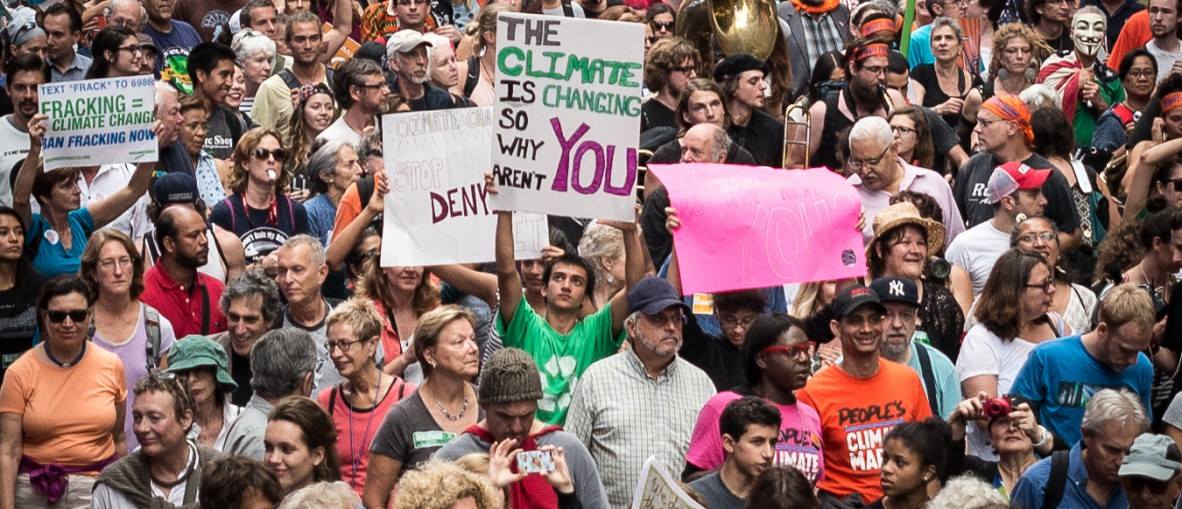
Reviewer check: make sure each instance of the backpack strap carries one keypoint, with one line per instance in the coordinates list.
(567, 10)
(332, 400)
(152, 326)
(1057, 482)
(929, 378)
(290, 79)
(473, 78)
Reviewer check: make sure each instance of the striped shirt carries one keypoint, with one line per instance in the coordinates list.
(623, 417)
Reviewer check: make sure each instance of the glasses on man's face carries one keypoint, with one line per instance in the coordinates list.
(662, 26)
(858, 164)
(985, 123)
(60, 315)
(732, 322)
(797, 351)
(371, 86)
(1046, 286)
(689, 70)
(1137, 483)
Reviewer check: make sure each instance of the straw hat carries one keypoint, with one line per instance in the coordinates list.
(904, 213)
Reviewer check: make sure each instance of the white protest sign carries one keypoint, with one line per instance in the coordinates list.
(656, 490)
(567, 115)
(96, 122)
(437, 209)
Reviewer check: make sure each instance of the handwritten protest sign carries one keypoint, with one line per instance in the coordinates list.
(752, 227)
(437, 210)
(656, 490)
(567, 115)
(95, 122)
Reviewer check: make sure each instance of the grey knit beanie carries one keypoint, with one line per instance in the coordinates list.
(509, 376)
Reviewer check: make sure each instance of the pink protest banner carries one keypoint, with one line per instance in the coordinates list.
(754, 227)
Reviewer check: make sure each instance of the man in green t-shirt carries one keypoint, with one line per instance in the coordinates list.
(564, 339)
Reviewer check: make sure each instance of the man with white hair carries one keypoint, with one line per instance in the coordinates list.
(1088, 475)
(130, 14)
(878, 173)
(704, 143)
(406, 54)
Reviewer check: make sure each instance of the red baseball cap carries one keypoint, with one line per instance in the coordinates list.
(1012, 176)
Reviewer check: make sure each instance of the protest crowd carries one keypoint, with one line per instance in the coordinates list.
(744, 254)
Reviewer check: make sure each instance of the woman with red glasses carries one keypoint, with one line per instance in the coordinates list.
(258, 209)
(777, 358)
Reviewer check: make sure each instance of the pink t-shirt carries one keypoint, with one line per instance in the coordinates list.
(357, 427)
(799, 445)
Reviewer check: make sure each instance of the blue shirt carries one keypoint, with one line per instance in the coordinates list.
(321, 214)
(52, 259)
(947, 388)
(1032, 487)
(76, 71)
(1060, 377)
(919, 51)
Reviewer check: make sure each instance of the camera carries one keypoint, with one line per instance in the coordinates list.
(938, 269)
(1159, 301)
(1000, 406)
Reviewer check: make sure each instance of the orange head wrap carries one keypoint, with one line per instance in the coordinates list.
(1170, 102)
(874, 26)
(876, 49)
(1012, 109)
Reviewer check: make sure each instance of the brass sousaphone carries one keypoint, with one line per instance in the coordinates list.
(720, 28)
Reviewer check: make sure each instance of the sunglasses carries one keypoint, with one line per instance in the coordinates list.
(797, 350)
(1136, 483)
(1177, 183)
(662, 26)
(76, 315)
(262, 154)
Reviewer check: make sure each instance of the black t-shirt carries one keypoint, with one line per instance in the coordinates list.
(722, 361)
(763, 136)
(259, 232)
(654, 113)
(18, 320)
(222, 132)
(240, 371)
(944, 138)
(974, 176)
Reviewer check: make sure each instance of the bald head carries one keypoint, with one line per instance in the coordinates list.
(180, 233)
(704, 143)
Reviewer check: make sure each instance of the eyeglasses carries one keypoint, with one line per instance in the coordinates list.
(343, 346)
(110, 263)
(796, 351)
(130, 49)
(900, 130)
(263, 154)
(689, 69)
(1177, 184)
(1030, 238)
(855, 164)
(730, 322)
(1137, 483)
(371, 86)
(662, 26)
(409, 2)
(1143, 74)
(59, 316)
(1046, 286)
(986, 123)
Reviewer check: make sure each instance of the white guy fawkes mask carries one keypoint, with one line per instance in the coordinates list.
(1087, 32)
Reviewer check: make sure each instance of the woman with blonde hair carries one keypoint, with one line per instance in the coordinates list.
(442, 407)
(603, 248)
(134, 331)
(1017, 53)
(258, 210)
(445, 485)
(481, 45)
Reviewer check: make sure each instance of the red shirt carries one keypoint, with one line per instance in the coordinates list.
(185, 308)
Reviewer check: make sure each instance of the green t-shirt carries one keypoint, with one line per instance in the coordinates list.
(561, 359)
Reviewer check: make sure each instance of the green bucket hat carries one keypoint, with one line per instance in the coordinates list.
(196, 351)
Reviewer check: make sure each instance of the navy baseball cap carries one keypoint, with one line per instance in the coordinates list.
(896, 289)
(652, 295)
(176, 187)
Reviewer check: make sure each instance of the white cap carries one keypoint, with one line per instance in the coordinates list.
(405, 41)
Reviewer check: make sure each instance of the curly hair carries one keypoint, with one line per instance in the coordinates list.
(439, 485)
(665, 55)
(1001, 37)
(249, 141)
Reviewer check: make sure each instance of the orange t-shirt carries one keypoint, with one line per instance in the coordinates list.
(1133, 35)
(67, 414)
(856, 415)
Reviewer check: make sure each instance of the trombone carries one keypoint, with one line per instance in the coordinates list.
(790, 126)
